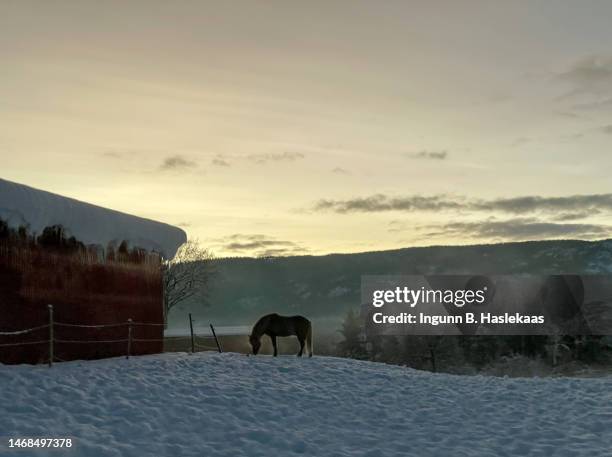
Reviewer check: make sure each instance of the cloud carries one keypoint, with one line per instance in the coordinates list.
(255, 244)
(258, 245)
(530, 204)
(125, 152)
(219, 161)
(112, 154)
(569, 115)
(262, 159)
(259, 159)
(380, 202)
(592, 74)
(586, 204)
(397, 226)
(516, 229)
(572, 137)
(604, 104)
(177, 162)
(279, 252)
(576, 216)
(521, 142)
(607, 129)
(341, 171)
(428, 155)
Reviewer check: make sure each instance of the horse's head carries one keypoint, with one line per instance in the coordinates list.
(255, 343)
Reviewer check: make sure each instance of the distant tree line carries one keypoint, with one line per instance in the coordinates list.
(56, 238)
(445, 353)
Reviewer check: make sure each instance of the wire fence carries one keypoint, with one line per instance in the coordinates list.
(23, 332)
(52, 340)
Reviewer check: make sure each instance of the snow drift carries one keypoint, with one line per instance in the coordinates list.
(36, 209)
(231, 405)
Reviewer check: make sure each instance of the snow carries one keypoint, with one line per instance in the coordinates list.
(90, 224)
(231, 405)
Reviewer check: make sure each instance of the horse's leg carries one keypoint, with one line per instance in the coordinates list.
(273, 338)
(309, 340)
(301, 339)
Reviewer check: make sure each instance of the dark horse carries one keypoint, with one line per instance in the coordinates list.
(274, 325)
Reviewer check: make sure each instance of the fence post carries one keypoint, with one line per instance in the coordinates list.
(50, 334)
(191, 328)
(129, 343)
(215, 335)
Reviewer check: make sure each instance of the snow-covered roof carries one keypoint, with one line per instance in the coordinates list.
(90, 224)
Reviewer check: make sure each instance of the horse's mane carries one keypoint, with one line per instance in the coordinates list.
(260, 325)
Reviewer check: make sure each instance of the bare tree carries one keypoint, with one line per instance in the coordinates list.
(187, 275)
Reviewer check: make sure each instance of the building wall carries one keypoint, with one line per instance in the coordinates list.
(84, 287)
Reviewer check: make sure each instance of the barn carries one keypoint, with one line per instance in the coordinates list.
(99, 269)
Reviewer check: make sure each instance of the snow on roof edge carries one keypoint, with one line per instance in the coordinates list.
(90, 224)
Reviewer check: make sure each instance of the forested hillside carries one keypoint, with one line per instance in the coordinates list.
(325, 287)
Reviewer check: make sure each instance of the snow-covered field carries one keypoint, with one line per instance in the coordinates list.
(231, 405)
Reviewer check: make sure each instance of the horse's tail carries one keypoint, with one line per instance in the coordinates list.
(309, 339)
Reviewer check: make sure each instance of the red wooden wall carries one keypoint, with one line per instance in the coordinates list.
(83, 289)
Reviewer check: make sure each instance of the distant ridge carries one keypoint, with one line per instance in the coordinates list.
(326, 286)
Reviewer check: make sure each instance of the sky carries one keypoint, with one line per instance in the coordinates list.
(281, 127)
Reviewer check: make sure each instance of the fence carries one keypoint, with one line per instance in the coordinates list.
(129, 340)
